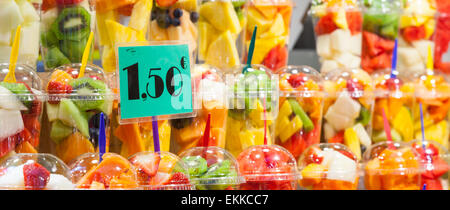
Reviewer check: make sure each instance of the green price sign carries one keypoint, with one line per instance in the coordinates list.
(154, 80)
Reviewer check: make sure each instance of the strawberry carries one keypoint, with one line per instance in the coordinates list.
(325, 25)
(67, 2)
(165, 3)
(314, 156)
(393, 84)
(147, 163)
(178, 178)
(35, 176)
(297, 80)
(354, 20)
(276, 58)
(160, 178)
(54, 87)
(432, 184)
(338, 138)
(413, 33)
(354, 85)
(440, 167)
(8, 144)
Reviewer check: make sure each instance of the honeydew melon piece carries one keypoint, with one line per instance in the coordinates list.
(70, 115)
(28, 11)
(328, 131)
(341, 40)
(9, 101)
(347, 106)
(329, 65)
(10, 16)
(324, 46)
(29, 42)
(5, 38)
(52, 111)
(342, 168)
(11, 123)
(348, 60)
(409, 56)
(59, 131)
(5, 52)
(356, 46)
(422, 48)
(337, 120)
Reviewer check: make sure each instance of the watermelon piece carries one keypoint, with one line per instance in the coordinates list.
(413, 33)
(338, 138)
(432, 184)
(443, 6)
(354, 21)
(325, 25)
(276, 58)
(296, 144)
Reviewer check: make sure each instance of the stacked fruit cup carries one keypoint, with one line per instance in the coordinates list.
(252, 107)
(299, 119)
(348, 109)
(268, 167)
(442, 37)
(391, 166)
(211, 98)
(337, 28)
(328, 167)
(35, 172)
(25, 13)
(65, 29)
(212, 168)
(161, 171)
(417, 25)
(73, 110)
(380, 30)
(220, 25)
(394, 96)
(20, 111)
(272, 17)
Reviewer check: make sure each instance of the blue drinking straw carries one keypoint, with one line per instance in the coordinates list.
(251, 49)
(394, 60)
(155, 134)
(102, 137)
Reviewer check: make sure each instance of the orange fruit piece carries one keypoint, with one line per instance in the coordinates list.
(74, 146)
(130, 135)
(61, 76)
(25, 147)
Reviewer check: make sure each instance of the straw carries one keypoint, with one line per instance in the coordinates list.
(394, 60)
(265, 123)
(424, 187)
(387, 129)
(251, 49)
(155, 134)
(10, 77)
(102, 137)
(206, 135)
(423, 127)
(85, 57)
(429, 59)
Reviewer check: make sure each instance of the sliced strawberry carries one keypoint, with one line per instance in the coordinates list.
(325, 25)
(413, 33)
(338, 138)
(354, 20)
(8, 144)
(55, 87)
(297, 80)
(354, 85)
(160, 178)
(165, 3)
(178, 178)
(314, 156)
(148, 163)
(295, 144)
(393, 84)
(35, 176)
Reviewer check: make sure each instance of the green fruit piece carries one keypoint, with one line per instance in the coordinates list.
(218, 170)
(381, 136)
(238, 3)
(55, 58)
(196, 165)
(389, 32)
(308, 125)
(52, 112)
(70, 115)
(364, 116)
(223, 185)
(21, 91)
(60, 131)
(108, 104)
(85, 88)
(73, 49)
(48, 39)
(73, 23)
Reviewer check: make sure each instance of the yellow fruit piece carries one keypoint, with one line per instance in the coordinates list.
(221, 15)
(122, 34)
(314, 171)
(282, 122)
(190, 5)
(252, 137)
(61, 76)
(263, 46)
(285, 110)
(164, 137)
(109, 59)
(403, 123)
(340, 18)
(429, 28)
(233, 142)
(352, 141)
(101, 25)
(427, 121)
(167, 163)
(269, 11)
(222, 52)
(255, 18)
(292, 127)
(157, 33)
(207, 34)
(140, 15)
(257, 116)
(437, 132)
(277, 28)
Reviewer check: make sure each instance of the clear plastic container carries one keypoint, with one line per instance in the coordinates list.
(337, 27)
(25, 13)
(380, 29)
(34, 172)
(221, 26)
(348, 109)
(435, 164)
(21, 106)
(114, 172)
(161, 171)
(211, 98)
(328, 167)
(253, 107)
(212, 168)
(273, 18)
(268, 167)
(442, 37)
(396, 168)
(65, 29)
(299, 119)
(72, 118)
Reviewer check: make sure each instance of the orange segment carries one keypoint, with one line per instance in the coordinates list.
(61, 76)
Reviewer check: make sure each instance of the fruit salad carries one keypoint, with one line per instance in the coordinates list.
(394, 167)
(113, 172)
(253, 107)
(65, 27)
(338, 25)
(273, 18)
(268, 167)
(417, 25)
(212, 168)
(25, 13)
(34, 172)
(73, 110)
(220, 26)
(434, 161)
(442, 37)
(161, 171)
(380, 29)
(299, 119)
(211, 96)
(328, 167)
(20, 111)
(120, 21)
(175, 20)
(395, 98)
(348, 109)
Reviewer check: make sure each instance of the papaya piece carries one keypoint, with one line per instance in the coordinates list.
(25, 147)
(74, 146)
(130, 135)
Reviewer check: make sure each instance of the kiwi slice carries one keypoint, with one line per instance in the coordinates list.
(87, 87)
(55, 58)
(73, 23)
(48, 39)
(73, 49)
(196, 165)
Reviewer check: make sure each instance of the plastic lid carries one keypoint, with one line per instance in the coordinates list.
(356, 82)
(419, 7)
(114, 172)
(434, 159)
(382, 6)
(34, 172)
(397, 87)
(210, 85)
(270, 2)
(211, 168)
(262, 163)
(431, 85)
(301, 81)
(28, 86)
(161, 171)
(320, 7)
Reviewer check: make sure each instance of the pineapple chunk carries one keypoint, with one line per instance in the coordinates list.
(10, 16)
(140, 15)
(277, 28)
(314, 172)
(121, 34)
(340, 18)
(362, 135)
(221, 15)
(352, 141)
(207, 34)
(294, 126)
(28, 11)
(190, 5)
(436, 132)
(403, 123)
(233, 139)
(252, 137)
(222, 52)
(285, 110)
(109, 59)
(101, 25)
(257, 116)
(263, 46)
(255, 18)
(282, 123)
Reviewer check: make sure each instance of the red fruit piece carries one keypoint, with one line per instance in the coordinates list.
(67, 2)
(9, 144)
(413, 33)
(54, 87)
(160, 178)
(325, 25)
(443, 6)
(297, 80)
(251, 160)
(354, 85)
(165, 3)
(147, 163)
(296, 144)
(35, 176)
(338, 138)
(432, 184)
(276, 58)
(314, 156)
(440, 167)
(354, 20)
(393, 84)
(178, 178)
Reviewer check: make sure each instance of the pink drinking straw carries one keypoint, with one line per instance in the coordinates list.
(387, 129)
(265, 123)
(206, 134)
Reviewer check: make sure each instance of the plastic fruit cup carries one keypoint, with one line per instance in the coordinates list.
(328, 167)
(221, 26)
(210, 97)
(386, 168)
(299, 119)
(161, 171)
(348, 109)
(441, 37)
(337, 26)
(253, 107)
(394, 96)
(20, 111)
(434, 160)
(380, 29)
(34, 172)
(73, 110)
(65, 29)
(212, 168)
(273, 18)
(112, 173)
(26, 14)
(268, 167)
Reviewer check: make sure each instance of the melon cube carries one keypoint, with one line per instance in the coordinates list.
(28, 11)
(348, 60)
(329, 65)
(422, 48)
(345, 105)
(341, 40)
(11, 123)
(409, 56)
(328, 131)
(356, 44)
(342, 168)
(5, 52)
(324, 46)
(337, 120)
(29, 43)
(10, 16)
(5, 38)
